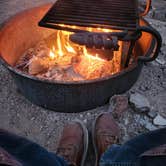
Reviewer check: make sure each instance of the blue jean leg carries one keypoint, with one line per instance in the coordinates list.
(28, 153)
(128, 154)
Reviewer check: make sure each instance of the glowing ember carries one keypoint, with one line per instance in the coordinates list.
(92, 67)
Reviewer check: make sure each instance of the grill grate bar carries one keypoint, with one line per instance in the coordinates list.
(63, 11)
(95, 20)
(84, 24)
(101, 17)
(116, 14)
(95, 10)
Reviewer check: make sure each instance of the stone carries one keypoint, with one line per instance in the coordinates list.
(139, 102)
(33, 118)
(150, 126)
(159, 120)
(152, 114)
(145, 122)
(118, 105)
(85, 121)
(88, 114)
(161, 61)
(154, 63)
(81, 116)
(142, 122)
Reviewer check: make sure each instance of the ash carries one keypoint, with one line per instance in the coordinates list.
(44, 127)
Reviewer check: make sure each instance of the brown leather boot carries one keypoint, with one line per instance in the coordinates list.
(73, 144)
(105, 132)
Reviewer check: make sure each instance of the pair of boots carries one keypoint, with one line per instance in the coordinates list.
(73, 144)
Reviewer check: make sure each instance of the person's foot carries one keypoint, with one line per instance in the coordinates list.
(105, 133)
(73, 144)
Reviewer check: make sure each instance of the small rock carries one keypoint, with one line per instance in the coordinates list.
(150, 126)
(41, 127)
(160, 61)
(85, 121)
(139, 102)
(81, 116)
(69, 120)
(126, 121)
(154, 63)
(33, 118)
(152, 114)
(142, 122)
(159, 120)
(88, 114)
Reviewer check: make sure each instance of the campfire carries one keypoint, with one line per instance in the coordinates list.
(57, 58)
(75, 62)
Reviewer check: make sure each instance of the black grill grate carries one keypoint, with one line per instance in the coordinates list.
(112, 14)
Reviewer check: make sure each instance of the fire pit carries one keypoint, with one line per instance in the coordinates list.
(73, 95)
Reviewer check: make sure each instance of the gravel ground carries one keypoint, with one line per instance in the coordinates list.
(44, 127)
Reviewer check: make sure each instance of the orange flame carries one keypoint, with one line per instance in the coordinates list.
(64, 50)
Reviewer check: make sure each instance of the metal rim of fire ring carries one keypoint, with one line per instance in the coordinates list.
(16, 71)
